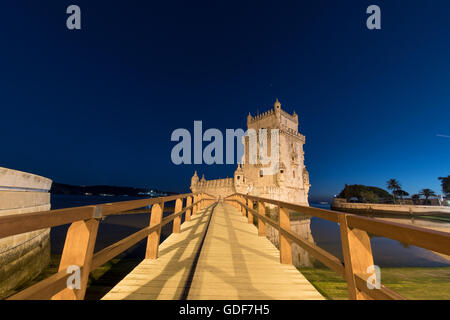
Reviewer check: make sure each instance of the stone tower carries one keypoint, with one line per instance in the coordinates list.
(290, 182)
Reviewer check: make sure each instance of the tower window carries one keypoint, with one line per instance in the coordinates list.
(261, 174)
(282, 171)
(238, 177)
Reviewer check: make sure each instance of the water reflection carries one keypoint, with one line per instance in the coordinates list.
(301, 225)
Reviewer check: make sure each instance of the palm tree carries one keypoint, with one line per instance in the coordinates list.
(401, 193)
(416, 198)
(445, 183)
(427, 193)
(394, 185)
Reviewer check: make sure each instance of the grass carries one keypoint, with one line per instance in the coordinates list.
(412, 283)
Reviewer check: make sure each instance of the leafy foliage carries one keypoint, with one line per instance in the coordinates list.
(370, 197)
(427, 193)
(364, 193)
(400, 193)
(445, 183)
(394, 185)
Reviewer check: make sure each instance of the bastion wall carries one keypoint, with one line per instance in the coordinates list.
(23, 256)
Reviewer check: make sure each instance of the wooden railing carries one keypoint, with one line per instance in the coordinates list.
(81, 236)
(356, 247)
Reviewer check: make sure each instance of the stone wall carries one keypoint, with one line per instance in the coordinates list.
(23, 256)
(217, 187)
(374, 208)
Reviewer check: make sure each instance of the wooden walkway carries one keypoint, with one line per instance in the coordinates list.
(226, 260)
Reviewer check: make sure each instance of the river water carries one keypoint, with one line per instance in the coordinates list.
(325, 234)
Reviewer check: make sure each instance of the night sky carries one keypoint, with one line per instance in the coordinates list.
(98, 105)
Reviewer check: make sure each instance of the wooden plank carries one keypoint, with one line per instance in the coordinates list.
(177, 220)
(316, 212)
(188, 211)
(383, 293)
(44, 289)
(249, 213)
(165, 277)
(154, 237)
(117, 248)
(433, 240)
(323, 256)
(78, 251)
(357, 253)
(20, 223)
(261, 222)
(237, 264)
(285, 243)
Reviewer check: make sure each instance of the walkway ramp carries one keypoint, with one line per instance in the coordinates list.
(237, 264)
(166, 277)
(223, 259)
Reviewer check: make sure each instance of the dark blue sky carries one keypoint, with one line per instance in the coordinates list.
(98, 106)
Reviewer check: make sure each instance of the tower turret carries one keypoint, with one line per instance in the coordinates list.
(194, 180)
(277, 108)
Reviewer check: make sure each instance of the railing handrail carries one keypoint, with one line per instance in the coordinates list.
(438, 241)
(357, 281)
(56, 284)
(19, 223)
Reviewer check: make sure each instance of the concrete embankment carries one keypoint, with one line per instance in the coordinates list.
(390, 209)
(23, 256)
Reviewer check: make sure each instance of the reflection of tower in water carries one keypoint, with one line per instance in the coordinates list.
(301, 226)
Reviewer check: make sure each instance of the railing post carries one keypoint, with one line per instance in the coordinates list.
(177, 220)
(243, 200)
(261, 223)
(285, 245)
(249, 213)
(188, 211)
(78, 251)
(357, 253)
(194, 209)
(202, 204)
(154, 237)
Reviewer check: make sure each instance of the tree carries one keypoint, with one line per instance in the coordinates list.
(394, 185)
(400, 193)
(416, 199)
(359, 191)
(445, 183)
(427, 193)
(370, 196)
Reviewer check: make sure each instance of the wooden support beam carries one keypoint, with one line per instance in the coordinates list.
(285, 243)
(78, 251)
(249, 213)
(194, 209)
(357, 253)
(188, 211)
(177, 220)
(261, 223)
(154, 237)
